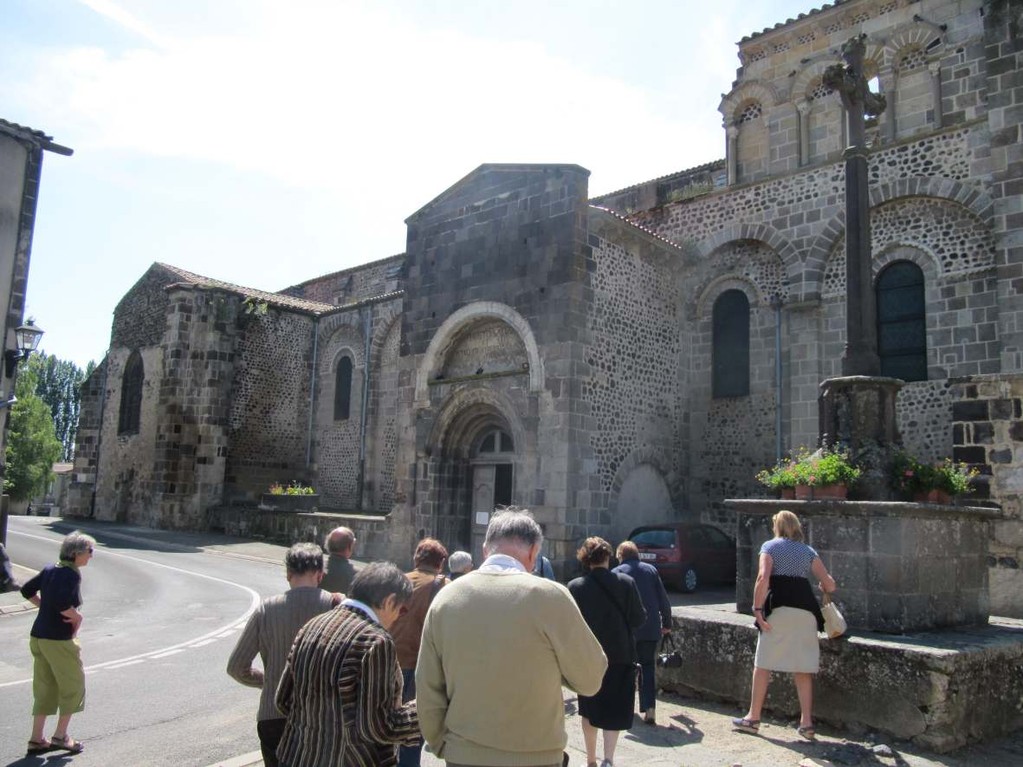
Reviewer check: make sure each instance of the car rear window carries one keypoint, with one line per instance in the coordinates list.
(655, 539)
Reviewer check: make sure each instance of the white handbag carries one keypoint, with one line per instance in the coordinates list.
(834, 622)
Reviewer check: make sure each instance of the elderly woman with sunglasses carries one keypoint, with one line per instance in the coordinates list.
(58, 678)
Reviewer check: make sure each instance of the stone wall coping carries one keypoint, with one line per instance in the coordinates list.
(834, 508)
(339, 516)
(997, 632)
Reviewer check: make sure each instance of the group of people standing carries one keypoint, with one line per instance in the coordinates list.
(471, 663)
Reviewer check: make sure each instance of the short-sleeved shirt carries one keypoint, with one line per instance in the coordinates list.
(59, 588)
(789, 557)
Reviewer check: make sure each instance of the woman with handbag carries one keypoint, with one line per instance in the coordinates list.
(612, 607)
(788, 642)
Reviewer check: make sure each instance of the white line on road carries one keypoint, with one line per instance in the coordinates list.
(128, 663)
(203, 643)
(211, 635)
(166, 654)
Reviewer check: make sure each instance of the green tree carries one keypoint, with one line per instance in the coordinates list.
(32, 446)
(59, 384)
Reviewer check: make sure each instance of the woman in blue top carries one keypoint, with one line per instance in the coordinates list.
(58, 678)
(789, 641)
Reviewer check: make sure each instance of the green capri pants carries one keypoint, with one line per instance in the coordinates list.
(58, 678)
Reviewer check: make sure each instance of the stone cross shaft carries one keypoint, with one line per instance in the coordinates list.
(848, 80)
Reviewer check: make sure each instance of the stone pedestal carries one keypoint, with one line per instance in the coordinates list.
(900, 567)
(857, 414)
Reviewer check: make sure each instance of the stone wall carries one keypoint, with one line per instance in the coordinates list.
(268, 426)
(370, 280)
(940, 689)
(87, 445)
(631, 392)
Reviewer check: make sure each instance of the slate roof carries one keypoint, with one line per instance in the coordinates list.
(800, 17)
(24, 132)
(273, 299)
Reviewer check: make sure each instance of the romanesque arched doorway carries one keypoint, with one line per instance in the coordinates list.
(476, 472)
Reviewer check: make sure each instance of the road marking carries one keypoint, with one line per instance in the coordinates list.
(210, 635)
(226, 634)
(166, 654)
(129, 663)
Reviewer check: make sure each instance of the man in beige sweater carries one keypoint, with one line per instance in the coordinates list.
(497, 646)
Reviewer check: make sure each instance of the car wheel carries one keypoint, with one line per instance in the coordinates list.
(689, 580)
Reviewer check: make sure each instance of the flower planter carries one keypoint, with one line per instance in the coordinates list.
(787, 493)
(933, 496)
(803, 492)
(830, 492)
(290, 502)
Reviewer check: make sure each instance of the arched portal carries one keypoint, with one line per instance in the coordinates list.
(475, 471)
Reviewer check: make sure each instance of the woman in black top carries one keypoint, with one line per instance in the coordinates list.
(58, 678)
(612, 607)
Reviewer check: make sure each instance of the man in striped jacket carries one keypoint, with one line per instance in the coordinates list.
(341, 687)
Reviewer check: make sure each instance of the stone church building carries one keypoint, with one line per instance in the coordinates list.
(618, 360)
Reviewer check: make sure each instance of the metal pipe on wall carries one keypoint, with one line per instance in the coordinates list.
(776, 304)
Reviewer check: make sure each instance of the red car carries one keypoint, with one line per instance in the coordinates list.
(687, 554)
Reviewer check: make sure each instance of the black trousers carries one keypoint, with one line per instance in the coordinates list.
(270, 732)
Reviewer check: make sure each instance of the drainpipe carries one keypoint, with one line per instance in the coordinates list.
(776, 305)
(312, 395)
(367, 323)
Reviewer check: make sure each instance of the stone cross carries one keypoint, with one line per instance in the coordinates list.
(848, 80)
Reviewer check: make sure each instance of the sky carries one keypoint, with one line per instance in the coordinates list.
(267, 142)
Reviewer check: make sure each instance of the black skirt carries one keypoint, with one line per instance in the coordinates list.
(611, 708)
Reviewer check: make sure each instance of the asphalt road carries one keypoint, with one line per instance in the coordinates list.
(159, 626)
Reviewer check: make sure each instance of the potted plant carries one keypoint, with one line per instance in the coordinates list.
(931, 483)
(781, 478)
(826, 473)
(294, 496)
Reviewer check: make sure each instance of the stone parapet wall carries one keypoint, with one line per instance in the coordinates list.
(377, 538)
(941, 690)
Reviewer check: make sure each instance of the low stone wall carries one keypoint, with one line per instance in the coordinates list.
(940, 689)
(373, 533)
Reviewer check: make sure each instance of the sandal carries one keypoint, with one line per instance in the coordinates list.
(67, 743)
(807, 731)
(752, 726)
(38, 747)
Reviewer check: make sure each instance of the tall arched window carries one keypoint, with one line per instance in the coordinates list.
(131, 395)
(902, 322)
(343, 389)
(730, 365)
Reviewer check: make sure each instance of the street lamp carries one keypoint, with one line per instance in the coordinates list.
(27, 339)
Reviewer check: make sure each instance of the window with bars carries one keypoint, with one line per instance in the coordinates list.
(749, 113)
(730, 345)
(128, 417)
(343, 389)
(902, 322)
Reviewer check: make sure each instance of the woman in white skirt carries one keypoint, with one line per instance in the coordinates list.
(788, 642)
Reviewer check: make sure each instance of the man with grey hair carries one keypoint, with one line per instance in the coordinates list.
(459, 564)
(496, 649)
(340, 546)
(270, 632)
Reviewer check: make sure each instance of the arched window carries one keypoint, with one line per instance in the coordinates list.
(343, 389)
(131, 395)
(496, 441)
(902, 322)
(730, 365)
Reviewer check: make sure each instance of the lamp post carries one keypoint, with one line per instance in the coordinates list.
(27, 341)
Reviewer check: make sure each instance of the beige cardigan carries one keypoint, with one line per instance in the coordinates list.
(496, 650)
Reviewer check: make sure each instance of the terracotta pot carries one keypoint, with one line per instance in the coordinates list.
(803, 492)
(832, 492)
(787, 493)
(933, 496)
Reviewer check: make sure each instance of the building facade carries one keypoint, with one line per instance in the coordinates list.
(618, 360)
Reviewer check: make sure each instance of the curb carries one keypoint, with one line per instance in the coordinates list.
(244, 760)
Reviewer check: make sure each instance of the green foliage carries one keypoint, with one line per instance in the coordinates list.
(32, 447)
(59, 385)
(823, 467)
(910, 475)
(295, 488)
